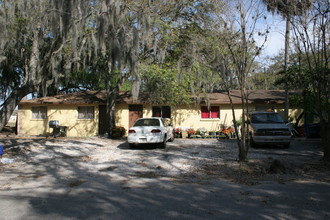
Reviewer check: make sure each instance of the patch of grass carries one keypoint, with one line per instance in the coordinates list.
(76, 183)
(146, 174)
(111, 168)
(79, 158)
(34, 176)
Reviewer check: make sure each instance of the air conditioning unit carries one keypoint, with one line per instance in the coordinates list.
(54, 124)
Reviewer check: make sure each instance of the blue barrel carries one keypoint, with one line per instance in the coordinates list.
(1, 150)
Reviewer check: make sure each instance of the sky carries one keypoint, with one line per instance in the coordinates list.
(275, 42)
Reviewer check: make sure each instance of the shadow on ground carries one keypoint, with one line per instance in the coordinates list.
(60, 185)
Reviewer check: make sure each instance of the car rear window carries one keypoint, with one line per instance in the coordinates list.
(147, 122)
(266, 118)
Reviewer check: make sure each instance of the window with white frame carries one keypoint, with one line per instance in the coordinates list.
(86, 112)
(210, 112)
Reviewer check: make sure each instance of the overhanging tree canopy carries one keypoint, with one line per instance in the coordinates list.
(43, 42)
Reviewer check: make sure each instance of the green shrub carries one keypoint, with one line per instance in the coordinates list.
(118, 132)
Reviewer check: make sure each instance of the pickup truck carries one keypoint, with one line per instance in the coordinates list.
(268, 128)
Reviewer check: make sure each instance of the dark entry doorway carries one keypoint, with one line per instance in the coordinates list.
(102, 119)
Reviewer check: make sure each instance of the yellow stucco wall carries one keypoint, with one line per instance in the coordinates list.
(184, 116)
(67, 115)
(122, 115)
(189, 116)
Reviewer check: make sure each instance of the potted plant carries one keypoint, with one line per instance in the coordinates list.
(191, 132)
(212, 133)
(228, 132)
(178, 133)
(201, 131)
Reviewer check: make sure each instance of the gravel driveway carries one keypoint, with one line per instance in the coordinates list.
(191, 179)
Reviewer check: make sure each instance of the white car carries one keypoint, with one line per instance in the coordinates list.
(151, 131)
(268, 128)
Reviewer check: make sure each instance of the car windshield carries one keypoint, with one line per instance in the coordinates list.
(147, 122)
(266, 118)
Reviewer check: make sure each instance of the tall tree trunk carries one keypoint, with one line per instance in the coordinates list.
(325, 139)
(243, 146)
(11, 102)
(111, 105)
(286, 60)
(234, 118)
(112, 90)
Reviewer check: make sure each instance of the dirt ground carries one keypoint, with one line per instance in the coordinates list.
(207, 158)
(86, 167)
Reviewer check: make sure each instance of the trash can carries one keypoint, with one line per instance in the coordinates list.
(55, 125)
(63, 131)
(56, 132)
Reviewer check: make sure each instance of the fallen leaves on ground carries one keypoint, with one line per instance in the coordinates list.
(257, 171)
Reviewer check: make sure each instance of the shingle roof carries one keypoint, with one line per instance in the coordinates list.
(254, 96)
(89, 97)
(221, 97)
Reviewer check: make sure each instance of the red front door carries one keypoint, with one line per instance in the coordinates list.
(135, 112)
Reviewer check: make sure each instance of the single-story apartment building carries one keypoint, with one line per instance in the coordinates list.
(84, 113)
